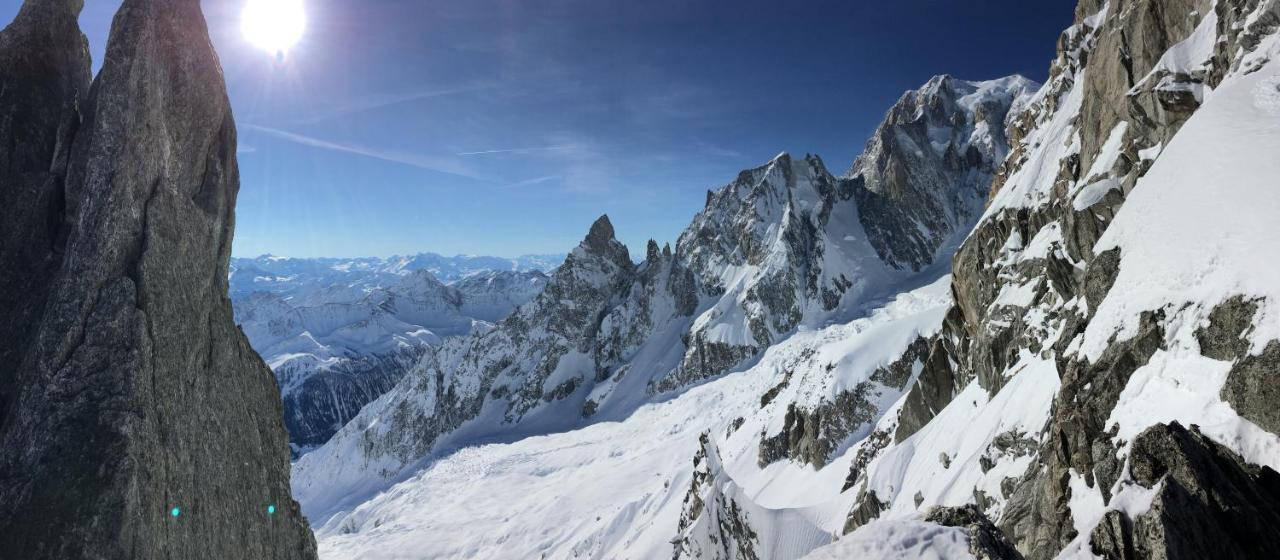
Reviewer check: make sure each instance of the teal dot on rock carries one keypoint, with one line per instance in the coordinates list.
(175, 512)
(271, 509)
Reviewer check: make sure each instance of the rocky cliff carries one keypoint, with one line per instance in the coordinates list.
(142, 424)
(45, 62)
(1114, 278)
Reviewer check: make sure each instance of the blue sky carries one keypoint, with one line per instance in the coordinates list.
(503, 127)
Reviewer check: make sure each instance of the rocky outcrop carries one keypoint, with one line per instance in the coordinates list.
(1253, 388)
(1039, 511)
(932, 390)
(144, 426)
(1029, 284)
(812, 435)
(986, 541)
(1208, 502)
(712, 524)
(44, 60)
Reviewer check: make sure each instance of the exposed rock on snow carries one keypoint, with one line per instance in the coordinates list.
(986, 542)
(1090, 281)
(1207, 502)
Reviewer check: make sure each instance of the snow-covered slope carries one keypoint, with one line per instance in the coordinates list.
(782, 249)
(1099, 377)
(336, 347)
(617, 489)
(1112, 354)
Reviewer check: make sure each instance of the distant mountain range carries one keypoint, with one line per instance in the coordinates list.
(338, 333)
(287, 276)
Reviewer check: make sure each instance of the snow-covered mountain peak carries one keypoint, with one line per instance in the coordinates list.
(923, 178)
(597, 267)
(418, 282)
(600, 241)
(785, 247)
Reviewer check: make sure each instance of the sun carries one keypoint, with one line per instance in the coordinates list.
(273, 25)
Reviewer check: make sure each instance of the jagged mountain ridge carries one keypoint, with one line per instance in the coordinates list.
(335, 349)
(781, 248)
(1063, 401)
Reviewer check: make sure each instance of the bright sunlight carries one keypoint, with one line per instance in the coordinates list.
(273, 25)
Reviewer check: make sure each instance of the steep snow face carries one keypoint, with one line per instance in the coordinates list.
(899, 539)
(781, 250)
(788, 245)
(621, 489)
(1113, 288)
(334, 349)
(927, 170)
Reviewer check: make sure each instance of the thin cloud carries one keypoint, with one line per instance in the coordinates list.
(430, 163)
(720, 151)
(515, 151)
(379, 101)
(533, 181)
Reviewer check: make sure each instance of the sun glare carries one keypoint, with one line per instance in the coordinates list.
(273, 25)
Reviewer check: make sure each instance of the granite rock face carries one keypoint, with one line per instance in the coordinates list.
(713, 524)
(44, 62)
(138, 395)
(1208, 503)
